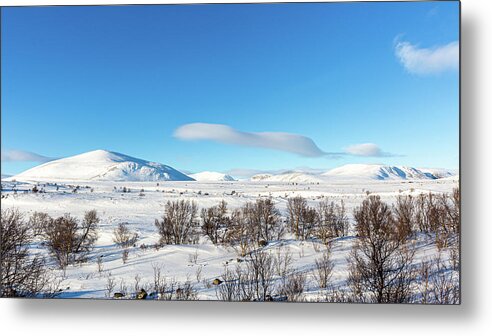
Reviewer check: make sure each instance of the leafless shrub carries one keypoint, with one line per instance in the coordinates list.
(294, 287)
(216, 222)
(186, 292)
(454, 253)
(323, 269)
(22, 273)
(178, 223)
(440, 283)
(229, 289)
(439, 215)
(68, 240)
(123, 288)
(424, 281)
(337, 295)
(246, 283)
(241, 233)
(110, 285)
(124, 256)
(123, 237)
(404, 210)
(262, 268)
(380, 266)
(198, 273)
(302, 218)
(193, 258)
(333, 221)
(160, 285)
(267, 219)
(38, 223)
(283, 263)
(136, 283)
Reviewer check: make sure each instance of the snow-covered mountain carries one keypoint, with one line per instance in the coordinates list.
(293, 177)
(378, 172)
(439, 172)
(208, 176)
(102, 165)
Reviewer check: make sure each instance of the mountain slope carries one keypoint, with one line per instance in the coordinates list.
(378, 172)
(208, 176)
(292, 177)
(102, 165)
(439, 172)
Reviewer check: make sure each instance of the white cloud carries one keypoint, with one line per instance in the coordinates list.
(366, 149)
(287, 142)
(20, 155)
(423, 61)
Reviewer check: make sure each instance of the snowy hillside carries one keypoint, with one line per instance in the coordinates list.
(439, 172)
(378, 172)
(208, 176)
(293, 177)
(102, 165)
(260, 177)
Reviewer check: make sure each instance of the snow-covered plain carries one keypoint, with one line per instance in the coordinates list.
(145, 203)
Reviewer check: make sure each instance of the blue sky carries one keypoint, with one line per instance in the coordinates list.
(129, 78)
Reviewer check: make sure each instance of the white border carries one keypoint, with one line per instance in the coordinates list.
(473, 317)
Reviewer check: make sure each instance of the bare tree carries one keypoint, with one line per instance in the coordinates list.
(123, 236)
(110, 285)
(229, 289)
(333, 221)
(216, 222)
(380, 265)
(241, 235)
(266, 218)
(37, 223)
(404, 213)
(283, 263)
(439, 215)
(296, 206)
(262, 268)
(438, 283)
(22, 273)
(186, 291)
(302, 218)
(294, 287)
(178, 222)
(68, 240)
(323, 269)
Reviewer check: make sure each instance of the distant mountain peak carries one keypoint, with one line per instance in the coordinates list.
(208, 176)
(379, 172)
(102, 165)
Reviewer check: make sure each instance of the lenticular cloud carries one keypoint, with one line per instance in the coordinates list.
(287, 142)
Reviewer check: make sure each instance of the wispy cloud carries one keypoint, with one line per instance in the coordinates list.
(287, 142)
(428, 61)
(20, 155)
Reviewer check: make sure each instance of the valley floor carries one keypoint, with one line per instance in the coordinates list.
(198, 264)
